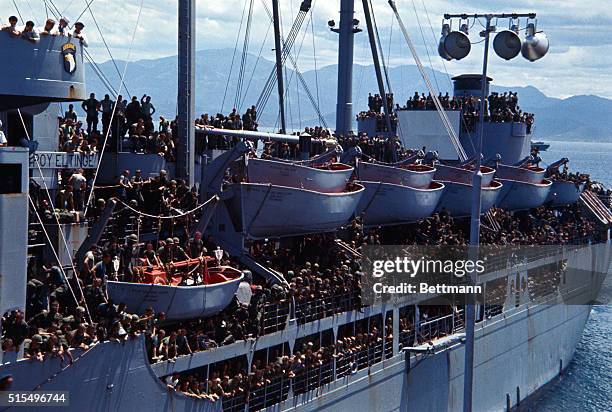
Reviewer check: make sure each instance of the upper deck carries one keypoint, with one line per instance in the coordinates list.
(48, 70)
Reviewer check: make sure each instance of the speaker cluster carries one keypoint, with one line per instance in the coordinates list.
(456, 44)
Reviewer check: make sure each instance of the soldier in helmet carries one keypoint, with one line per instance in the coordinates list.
(179, 252)
(166, 252)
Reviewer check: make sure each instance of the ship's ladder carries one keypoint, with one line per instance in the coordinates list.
(597, 208)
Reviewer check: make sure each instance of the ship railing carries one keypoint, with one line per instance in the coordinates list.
(279, 388)
(407, 338)
(274, 316)
(436, 328)
(313, 377)
(523, 255)
(351, 362)
(542, 285)
(306, 380)
(320, 308)
(458, 320)
(343, 365)
(148, 228)
(493, 310)
(388, 349)
(35, 235)
(270, 394)
(235, 403)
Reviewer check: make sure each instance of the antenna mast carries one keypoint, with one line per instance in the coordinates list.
(348, 29)
(185, 165)
(279, 65)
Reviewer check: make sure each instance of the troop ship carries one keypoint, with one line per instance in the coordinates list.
(307, 340)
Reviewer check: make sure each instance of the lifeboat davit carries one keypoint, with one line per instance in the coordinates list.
(464, 174)
(159, 288)
(457, 197)
(327, 178)
(564, 192)
(265, 210)
(390, 203)
(518, 195)
(529, 174)
(412, 175)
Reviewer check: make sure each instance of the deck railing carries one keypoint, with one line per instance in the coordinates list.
(274, 317)
(323, 307)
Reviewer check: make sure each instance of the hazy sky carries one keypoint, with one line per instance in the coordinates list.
(579, 31)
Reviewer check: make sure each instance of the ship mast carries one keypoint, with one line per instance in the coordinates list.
(348, 29)
(279, 65)
(185, 161)
(374, 47)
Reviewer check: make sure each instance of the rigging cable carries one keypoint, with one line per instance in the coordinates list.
(59, 226)
(32, 11)
(286, 47)
(84, 10)
(390, 40)
(300, 77)
(243, 60)
(213, 199)
(362, 67)
(106, 45)
(67, 7)
(314, 54)
(96, 69)
(379, 46)
(229, 76)
(416, 13)
(127, 61)
(18, 12)
(286, 54)
(382, 56)
(448, 76)
(263, 43)
(98, 72)
(286, 100)
(42, 225)
(442, 113)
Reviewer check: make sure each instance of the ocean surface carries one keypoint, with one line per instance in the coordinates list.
(587, 383)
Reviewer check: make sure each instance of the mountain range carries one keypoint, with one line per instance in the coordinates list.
(578, 118)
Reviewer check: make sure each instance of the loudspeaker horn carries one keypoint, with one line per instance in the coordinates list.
(441, 50)
(457, 44)
(535, 45)
(507, 44)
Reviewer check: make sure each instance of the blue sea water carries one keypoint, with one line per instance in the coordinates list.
(587, 382)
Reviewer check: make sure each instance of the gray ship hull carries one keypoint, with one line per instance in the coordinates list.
(514, 356)
(517, 352)
(538, 341)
